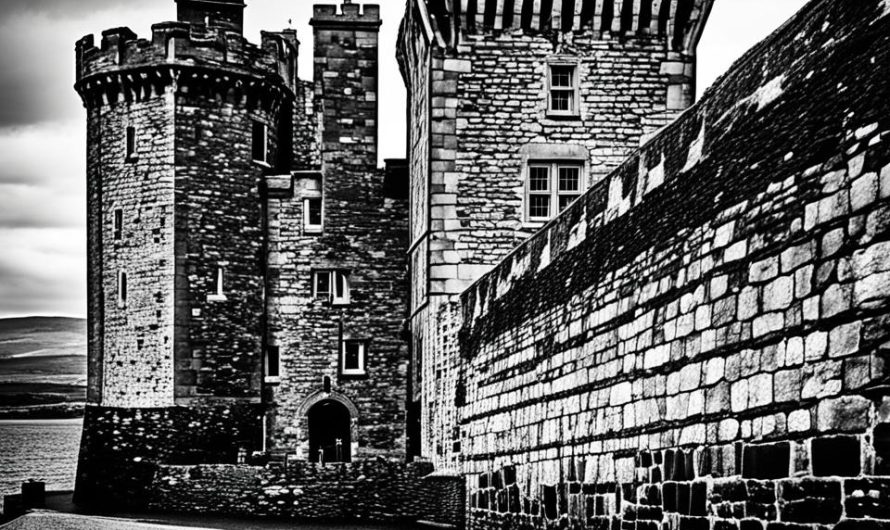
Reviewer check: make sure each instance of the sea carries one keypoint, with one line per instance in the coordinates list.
(38, 449)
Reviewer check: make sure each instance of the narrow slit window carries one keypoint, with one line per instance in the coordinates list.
(563, 90)
(122, 292)
(341, 288)
(273, 361)
(260, 143)
(313, 217)
(131, 143)
(220, 281)
(118, 224)
(353, 358)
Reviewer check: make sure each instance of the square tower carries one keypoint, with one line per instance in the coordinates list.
(346, 73)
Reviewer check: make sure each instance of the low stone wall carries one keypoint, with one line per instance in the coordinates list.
(368, 491)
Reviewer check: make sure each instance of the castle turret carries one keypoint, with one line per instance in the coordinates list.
(346, 80)
(181, 130)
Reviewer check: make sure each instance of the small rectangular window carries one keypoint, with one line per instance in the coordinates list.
(322, 285)
(313, 217)
(551, 188)
(131, 143)
(218, 286)
(332, 286)
(563, 84)
(273, 361)
(122, 288)
(220, 281)
(539, 194)
(118, 224)
(260, 142)
(353, 358)
(341, 288)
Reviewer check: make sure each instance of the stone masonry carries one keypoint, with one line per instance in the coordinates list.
(700, 341)
(209, 340)
(477, 78)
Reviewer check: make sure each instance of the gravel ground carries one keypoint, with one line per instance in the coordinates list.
(47, 520)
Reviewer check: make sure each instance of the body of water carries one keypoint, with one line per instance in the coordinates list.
(38, 449)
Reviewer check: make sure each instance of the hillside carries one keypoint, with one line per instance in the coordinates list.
(42, 362)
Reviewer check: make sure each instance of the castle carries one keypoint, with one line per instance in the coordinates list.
(580, 302)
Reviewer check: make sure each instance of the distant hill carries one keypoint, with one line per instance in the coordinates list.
(42, 361)
(42, 337)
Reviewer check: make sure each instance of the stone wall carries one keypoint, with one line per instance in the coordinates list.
(479, 113)
(364, 236)
(122, 447)
(135, 357)
(700, 341)
(367, 491)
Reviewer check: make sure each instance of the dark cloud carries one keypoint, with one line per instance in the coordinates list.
(58, 8)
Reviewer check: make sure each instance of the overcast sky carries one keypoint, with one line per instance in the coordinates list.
(42, 177)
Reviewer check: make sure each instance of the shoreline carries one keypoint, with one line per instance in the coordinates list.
(61, 411)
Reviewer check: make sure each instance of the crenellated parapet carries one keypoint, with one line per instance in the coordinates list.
(679, 22)
(223, 63)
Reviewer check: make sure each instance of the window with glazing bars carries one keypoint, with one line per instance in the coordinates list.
(552, 187)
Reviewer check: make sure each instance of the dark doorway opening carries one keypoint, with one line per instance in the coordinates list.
(330, 438)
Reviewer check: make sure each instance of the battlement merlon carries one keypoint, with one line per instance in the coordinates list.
(181, 44)
(349, 16)
(679, 22)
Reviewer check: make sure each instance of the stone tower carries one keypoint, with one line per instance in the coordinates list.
(515, 108)
(182, 128)
(346, 66)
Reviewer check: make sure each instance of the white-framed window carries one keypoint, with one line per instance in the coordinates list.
(562, 88)
(131, 143)
(353, 358)
(332, 286)
(117, 223)
(260, 143)
(551, 187)
(122, 289)
(313, 214)
(219, 285)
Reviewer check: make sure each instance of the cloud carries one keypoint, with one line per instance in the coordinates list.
(59, 8)
(42, 272)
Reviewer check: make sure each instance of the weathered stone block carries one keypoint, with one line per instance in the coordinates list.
(846, 414)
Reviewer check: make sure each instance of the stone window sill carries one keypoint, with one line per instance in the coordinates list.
(313, 229)
(216, 298)
(272, 380)
(563, 116)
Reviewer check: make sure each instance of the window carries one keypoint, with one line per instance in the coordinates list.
(118, 224)
(260, 143)
(122, 289)
(219, 284)
(313, 218)
(552, 187)
(131, 143)
(563, 85)
(353, 357)
(273, 362)
(332, 286)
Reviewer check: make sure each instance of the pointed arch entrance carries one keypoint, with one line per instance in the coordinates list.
(330, 432)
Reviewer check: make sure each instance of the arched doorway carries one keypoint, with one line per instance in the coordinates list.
(330, 438)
